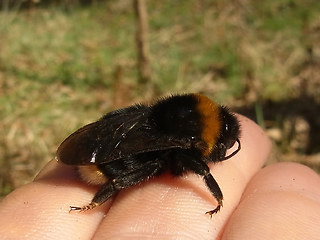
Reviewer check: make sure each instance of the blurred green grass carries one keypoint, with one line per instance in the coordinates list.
(58, 66)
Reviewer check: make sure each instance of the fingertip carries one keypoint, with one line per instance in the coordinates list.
(254, 139)
(279, 201)
(286, 176)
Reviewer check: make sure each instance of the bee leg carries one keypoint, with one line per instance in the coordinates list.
(199, 167)
(124, 180)
(105, 192)
(215, 190)
(133, 177)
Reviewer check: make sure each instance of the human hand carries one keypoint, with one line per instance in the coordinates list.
(281, 201)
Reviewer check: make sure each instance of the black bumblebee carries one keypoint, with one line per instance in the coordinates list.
(178, 134)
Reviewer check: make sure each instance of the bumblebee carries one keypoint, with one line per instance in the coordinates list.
(179, 134)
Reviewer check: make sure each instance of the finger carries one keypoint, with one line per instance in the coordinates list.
(40, 210)
(170, 207)
(58, 180)
(281, 202)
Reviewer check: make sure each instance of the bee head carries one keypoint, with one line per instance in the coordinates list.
(230, 129)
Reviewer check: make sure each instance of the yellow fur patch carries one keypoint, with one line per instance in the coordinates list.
(92, 175)
(210, 120)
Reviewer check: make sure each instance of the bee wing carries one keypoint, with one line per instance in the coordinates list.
(80, 147)
(135, 141)
(118, 134)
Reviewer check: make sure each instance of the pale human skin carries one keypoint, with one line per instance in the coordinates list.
(280, 201)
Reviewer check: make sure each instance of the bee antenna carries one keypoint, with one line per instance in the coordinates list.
(235, 152)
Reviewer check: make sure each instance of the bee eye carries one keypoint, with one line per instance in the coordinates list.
(227, 127)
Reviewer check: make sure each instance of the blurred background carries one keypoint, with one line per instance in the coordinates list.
(65, 63)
